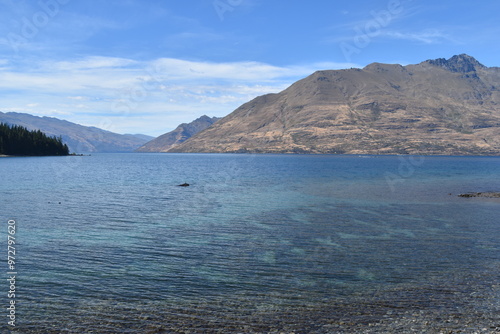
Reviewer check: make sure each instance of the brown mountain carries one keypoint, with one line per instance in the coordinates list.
(436, 107)
(173, 138)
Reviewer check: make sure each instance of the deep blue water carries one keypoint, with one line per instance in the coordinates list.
(109, 241)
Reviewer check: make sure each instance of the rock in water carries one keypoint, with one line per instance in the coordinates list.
(482, 194)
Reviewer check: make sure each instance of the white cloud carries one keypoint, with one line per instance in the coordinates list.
(154, 92)
(190, 70)
(78, 98)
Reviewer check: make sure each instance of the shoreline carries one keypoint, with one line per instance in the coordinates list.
(39, 156)
(451, 304)
(377, 314)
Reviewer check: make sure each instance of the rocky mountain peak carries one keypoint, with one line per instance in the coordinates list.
(442, 106)
(460, 63)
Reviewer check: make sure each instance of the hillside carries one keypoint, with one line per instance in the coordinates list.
(79, 138)
(182, 133)
(443, 106)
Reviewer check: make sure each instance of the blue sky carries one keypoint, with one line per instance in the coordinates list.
(145, 66)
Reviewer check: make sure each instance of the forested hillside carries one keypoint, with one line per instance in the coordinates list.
(79, 138)
(17, 140)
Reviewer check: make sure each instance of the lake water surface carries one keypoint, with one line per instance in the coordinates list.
(256, 243)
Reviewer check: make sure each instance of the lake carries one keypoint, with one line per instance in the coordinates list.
(109, 243)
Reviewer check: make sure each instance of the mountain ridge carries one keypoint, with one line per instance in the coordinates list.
(79, 138)
(179, 135)
(441, 106)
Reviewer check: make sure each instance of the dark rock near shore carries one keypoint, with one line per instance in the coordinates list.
(482, 194)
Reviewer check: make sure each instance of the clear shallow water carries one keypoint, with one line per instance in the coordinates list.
(109, 242)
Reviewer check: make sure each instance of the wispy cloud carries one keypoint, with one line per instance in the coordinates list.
(429, 36)
(90, 63)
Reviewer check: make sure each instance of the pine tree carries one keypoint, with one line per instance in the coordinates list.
(17, 140)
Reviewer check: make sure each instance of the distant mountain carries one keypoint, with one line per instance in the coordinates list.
(443, 106)
(141, 136)
(79, 138)
(183, 132)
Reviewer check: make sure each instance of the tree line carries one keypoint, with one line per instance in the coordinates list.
(18, 140)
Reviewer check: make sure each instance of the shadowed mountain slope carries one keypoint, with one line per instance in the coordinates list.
(173, 138)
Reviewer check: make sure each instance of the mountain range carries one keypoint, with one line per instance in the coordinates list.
(442, 106)
(79, 138)
(182, 133)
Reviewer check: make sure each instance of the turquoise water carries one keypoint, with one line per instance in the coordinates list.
(109, 243)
